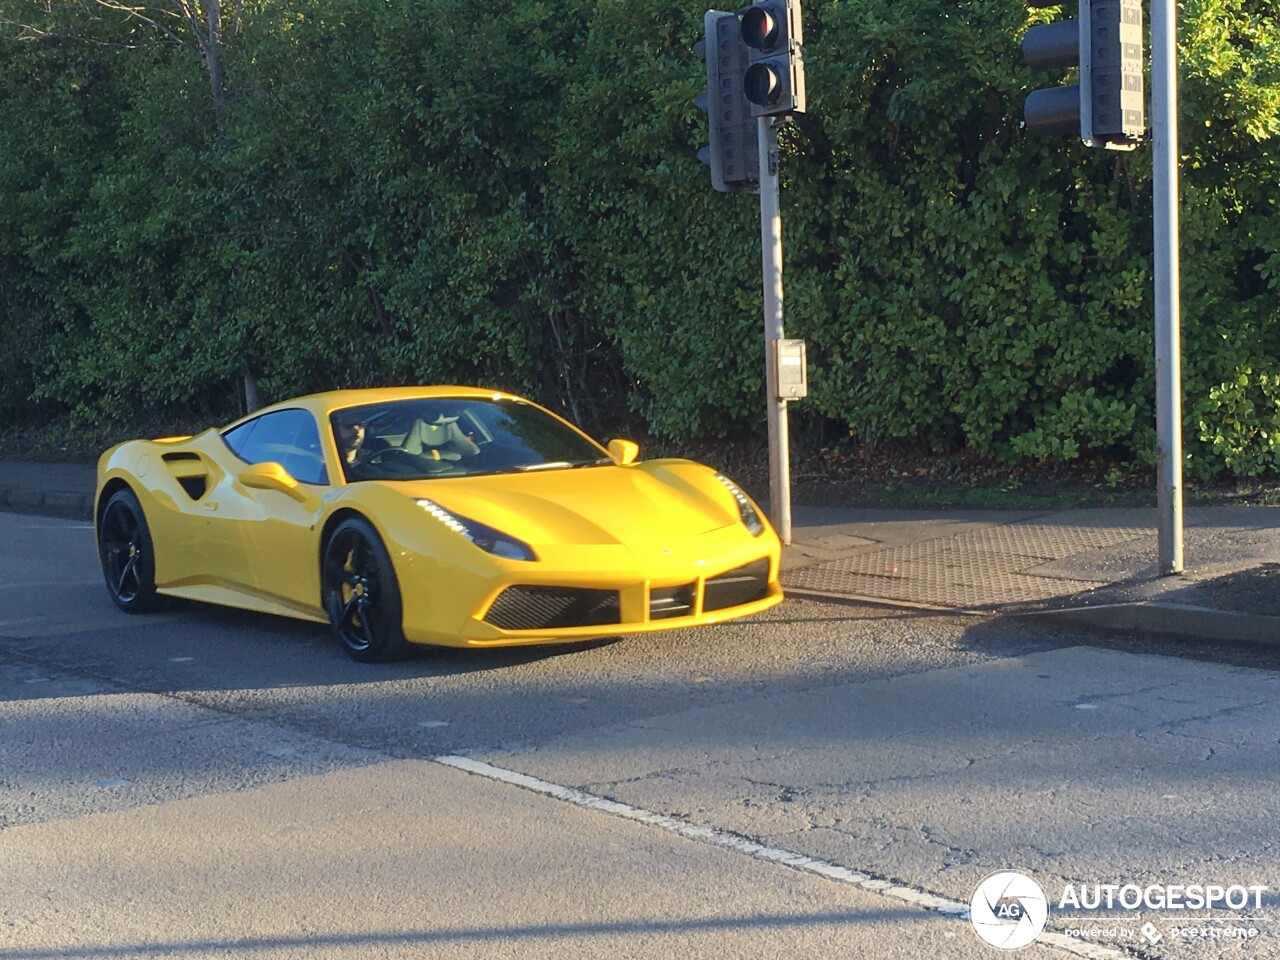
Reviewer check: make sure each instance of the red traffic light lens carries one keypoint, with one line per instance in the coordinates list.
(761, 84)
(759, 28)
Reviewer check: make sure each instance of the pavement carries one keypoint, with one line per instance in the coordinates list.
(1094, 568)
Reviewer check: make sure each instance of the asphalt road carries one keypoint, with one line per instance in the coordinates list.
(821, 781)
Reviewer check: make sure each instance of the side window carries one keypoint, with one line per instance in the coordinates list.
(236, 439)
(289, 437)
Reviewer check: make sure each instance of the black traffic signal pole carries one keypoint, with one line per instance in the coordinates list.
(1164, 163)
(755, 81)
(771, 259)
(771, 31)
(773, 83)
(1107, 108)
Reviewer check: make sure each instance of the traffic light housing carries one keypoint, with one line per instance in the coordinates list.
(733, 153)
(1106, 42)
(774, 36)
(1116, 54)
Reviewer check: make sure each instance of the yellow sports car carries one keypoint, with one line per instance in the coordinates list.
(432, 515)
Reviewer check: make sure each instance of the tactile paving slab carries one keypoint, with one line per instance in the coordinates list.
(986, 567)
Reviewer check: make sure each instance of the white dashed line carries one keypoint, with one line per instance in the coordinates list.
(759, 851)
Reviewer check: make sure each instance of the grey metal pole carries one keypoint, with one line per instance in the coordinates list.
(1164, 134)
(771, 257)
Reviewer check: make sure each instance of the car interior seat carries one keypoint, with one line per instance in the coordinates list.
(441, 440)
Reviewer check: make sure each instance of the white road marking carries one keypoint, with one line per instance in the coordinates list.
(433, 723)
(739, 844)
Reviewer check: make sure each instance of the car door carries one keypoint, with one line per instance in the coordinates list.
(270, 536)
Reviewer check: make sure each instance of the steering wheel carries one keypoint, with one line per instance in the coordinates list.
(386, 464)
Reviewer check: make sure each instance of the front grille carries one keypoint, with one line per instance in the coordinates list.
(544, 608)
(737, 587)
(667, 602)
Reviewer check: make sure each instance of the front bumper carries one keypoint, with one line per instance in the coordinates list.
(530, 604)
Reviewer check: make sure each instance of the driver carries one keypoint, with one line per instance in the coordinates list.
(355, 443)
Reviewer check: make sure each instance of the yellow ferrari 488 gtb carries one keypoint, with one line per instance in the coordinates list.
(444, 515)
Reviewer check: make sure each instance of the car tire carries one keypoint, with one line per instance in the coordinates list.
(127, 554)
(360, 593)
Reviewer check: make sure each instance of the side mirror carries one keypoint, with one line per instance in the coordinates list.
(272, 476)
(623, 451)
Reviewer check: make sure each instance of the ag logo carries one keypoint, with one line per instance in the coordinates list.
(1009, 910)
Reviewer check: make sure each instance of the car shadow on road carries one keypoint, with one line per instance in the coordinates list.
(269, 651)
(572, 933)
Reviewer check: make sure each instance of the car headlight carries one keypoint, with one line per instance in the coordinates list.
(485, 537)
(746, 511)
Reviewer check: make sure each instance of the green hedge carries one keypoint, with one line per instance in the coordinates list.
(408, 191)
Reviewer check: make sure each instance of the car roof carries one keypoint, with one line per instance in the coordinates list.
(323, 404)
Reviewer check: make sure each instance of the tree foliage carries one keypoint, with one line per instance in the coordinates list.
(409, 191)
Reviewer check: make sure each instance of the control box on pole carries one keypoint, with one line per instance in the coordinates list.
(793, 371)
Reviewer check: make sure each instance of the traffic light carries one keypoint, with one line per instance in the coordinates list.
(1106, 107)
(1115, 52)
(774, 81)
(733, 154)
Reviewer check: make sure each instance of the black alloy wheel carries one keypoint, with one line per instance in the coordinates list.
(126, 553)
(361, 595)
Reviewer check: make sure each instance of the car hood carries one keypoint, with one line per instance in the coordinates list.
(635, 504)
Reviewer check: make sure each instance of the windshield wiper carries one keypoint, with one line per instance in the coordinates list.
(563, 464)
(550, 465)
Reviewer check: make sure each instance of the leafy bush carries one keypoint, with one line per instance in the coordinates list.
(405, 191)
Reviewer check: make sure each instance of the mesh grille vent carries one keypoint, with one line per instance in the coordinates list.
(542, 608)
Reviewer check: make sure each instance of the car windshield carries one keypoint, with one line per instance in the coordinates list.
(448, 437)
